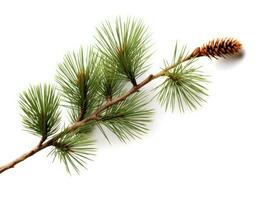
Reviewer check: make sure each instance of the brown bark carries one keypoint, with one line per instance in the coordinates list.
(23, 157)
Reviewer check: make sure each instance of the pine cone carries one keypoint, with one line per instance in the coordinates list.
(222, 47)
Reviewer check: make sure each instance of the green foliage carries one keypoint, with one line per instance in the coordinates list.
(40, 106)
(110, 83)
(184, 86)
(78, 78)
(127, 119)
(125, 47)
(73, 149)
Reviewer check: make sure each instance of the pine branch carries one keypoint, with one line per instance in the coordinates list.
(95, 96)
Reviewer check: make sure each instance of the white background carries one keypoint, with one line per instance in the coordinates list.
(220, 152)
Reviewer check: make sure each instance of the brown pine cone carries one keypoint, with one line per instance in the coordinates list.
(222, 47)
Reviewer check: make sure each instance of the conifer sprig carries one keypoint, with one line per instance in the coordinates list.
(93, 85)
(78, 78)
(184, 84)
(40, 106)
(125, 47)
